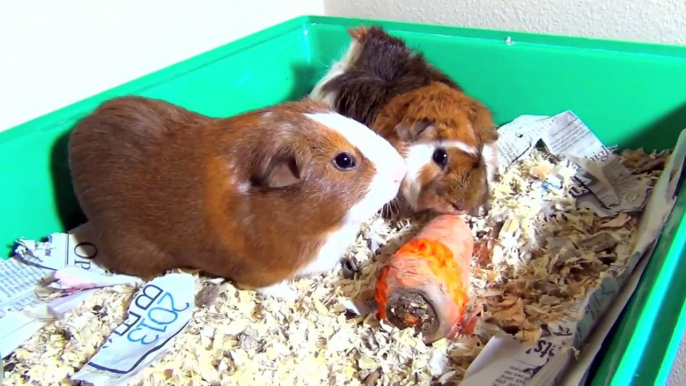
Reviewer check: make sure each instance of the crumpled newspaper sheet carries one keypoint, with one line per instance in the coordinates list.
(159, 312)
(603, 184)
(658, 209)
(607, 188)
(63, 264)
(61, 269)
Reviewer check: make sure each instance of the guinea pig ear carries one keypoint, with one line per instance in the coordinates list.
(410, 132)
(482, 121)
(358, 33)
(283, 173)
(285, 169)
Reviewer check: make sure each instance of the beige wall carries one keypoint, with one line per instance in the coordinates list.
(637, 20)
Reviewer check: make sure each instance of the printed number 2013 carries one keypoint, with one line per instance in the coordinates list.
(159, 318)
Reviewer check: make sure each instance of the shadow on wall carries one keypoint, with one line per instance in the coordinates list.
(671, 123)
(68, 208)
(306, 75)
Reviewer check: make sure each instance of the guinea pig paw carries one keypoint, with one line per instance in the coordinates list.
(280, 291)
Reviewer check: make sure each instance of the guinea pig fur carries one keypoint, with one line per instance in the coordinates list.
(448, 141)
(375, 68)
(259, 198)
(426, 116)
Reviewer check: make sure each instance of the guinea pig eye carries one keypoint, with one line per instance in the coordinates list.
(440, 157)
(344, 161)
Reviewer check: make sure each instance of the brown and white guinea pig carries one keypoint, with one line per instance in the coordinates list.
(259, 198)
(448, 142)
(375, 68)
(447, 138)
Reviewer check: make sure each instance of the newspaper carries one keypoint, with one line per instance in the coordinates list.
(60, 306)
(159, 312)
(602, 183)
(17, 327)
(37, 260)
(607, 190)
(578, 371)
(657, 210)
(64, 259)
(518, 138)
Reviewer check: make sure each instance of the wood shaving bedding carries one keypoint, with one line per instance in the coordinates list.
(535, 253)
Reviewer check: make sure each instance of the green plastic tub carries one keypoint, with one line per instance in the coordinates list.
(631, 95)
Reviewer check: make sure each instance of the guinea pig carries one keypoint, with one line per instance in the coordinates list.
(259, 198)
(448, 141)
(375, 68)
(447, 138)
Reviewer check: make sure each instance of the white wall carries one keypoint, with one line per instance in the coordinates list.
(637, 20)
(53, 53)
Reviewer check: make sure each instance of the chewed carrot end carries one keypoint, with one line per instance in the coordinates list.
(411, 308)
(425, 284)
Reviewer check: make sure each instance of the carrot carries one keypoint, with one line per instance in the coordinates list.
(425, 284)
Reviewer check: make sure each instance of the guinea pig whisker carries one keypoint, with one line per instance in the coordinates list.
(389, 210)
(393, 208)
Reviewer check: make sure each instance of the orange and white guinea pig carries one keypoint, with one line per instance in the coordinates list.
(259, 198)
(447, 138)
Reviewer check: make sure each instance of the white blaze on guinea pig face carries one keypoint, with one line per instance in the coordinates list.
(384, 186)
(420, 155)
(336, 69)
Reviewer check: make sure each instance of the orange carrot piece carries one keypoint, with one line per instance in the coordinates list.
(425, 284)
